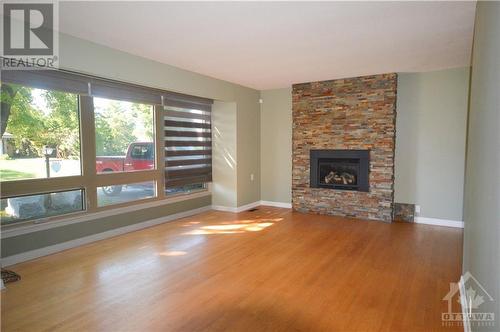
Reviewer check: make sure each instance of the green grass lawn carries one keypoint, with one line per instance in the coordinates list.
(10, 174)
(22, 168)
(34, 168)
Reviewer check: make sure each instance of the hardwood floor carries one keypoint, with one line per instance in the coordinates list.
(268, 270)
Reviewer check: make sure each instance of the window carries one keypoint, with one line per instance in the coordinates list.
(186, 189)
(41, 138)
(124, 136)
(77, 144)
(188, 149)
(116, 194)
(31, 207)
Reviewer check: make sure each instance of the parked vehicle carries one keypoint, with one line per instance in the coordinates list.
(140, 156)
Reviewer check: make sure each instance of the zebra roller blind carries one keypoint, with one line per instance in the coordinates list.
(188, 144)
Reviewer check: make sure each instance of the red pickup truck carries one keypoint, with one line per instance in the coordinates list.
(140, 156)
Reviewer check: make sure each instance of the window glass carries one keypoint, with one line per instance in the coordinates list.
(17, 209)
(124, 136)
(40, 134)
(142, 151)
(109, 195)
(186, 189)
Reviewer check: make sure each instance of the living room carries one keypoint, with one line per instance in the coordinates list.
(316, 166)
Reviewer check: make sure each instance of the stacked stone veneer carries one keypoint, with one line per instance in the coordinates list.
(355, 113)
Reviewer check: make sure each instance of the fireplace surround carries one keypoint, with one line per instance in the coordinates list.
(350, 114)
(340, 169)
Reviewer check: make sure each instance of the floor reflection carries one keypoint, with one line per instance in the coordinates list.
(235, 227)
(170, 253)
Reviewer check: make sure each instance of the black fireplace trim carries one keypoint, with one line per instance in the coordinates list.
(364, 166)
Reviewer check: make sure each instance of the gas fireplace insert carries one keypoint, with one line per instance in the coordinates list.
(340, 169)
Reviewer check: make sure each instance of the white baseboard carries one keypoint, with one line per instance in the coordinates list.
(439, 222)
(224, 208)
(250, 206)
(464, 304)
(276, 204)
(29, 255)
(235, 209)
(221, 208)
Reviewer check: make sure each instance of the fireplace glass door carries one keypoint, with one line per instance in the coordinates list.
(340, 173)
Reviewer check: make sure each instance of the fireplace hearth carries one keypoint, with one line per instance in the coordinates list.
(340, 169)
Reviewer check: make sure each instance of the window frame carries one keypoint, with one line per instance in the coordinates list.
(54, 217)
(206, 187)
(90, 180)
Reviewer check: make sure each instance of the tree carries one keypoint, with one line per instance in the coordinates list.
(62, 123)
(45, 117)
(25, 122)
(114, 129)
(8, 93)
(32, 126)
(145, 117)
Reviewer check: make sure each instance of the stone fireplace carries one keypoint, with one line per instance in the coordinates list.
(343, 147)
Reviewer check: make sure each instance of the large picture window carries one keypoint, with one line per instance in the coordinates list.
(124, 135)
(40, 134)
(78, 144)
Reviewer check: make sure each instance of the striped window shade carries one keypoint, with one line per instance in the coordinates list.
(188, 145)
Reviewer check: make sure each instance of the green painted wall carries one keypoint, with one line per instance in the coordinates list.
(482, 180)
(276, 145)
(224, 167)
(431, 126)
(248, 149)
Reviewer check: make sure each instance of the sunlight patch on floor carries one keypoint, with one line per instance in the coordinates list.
(172, 253)
(235, 227)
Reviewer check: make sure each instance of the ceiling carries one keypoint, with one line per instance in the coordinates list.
(267, 45)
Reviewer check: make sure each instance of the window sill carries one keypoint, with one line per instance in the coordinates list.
(43, 224)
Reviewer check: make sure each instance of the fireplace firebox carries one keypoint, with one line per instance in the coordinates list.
(340, 169)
